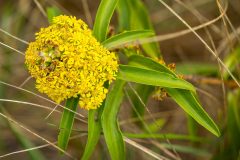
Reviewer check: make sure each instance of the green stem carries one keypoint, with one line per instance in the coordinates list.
(67, 122)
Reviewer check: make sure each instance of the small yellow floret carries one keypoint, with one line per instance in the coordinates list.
(67, 61)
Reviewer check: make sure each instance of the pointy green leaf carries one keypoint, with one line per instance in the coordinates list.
(103, 18)
(127, 37)
(148, 63)
(151, 77)
(188, 102)
(123, 12)
(186, 99)
(67, 122)
(94, 132)
(111, 130)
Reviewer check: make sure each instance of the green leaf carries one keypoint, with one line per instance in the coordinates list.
(187, 100)
(126, 38)
(151, 77)
(111, 130)
(52, 12)
(103, 17)
(148, 63)
(67, 122)
(123, 12)
(94, 132)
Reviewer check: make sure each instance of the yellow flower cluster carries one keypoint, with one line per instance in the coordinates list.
(67, 61)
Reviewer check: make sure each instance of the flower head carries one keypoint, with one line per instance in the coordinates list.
(67, 61)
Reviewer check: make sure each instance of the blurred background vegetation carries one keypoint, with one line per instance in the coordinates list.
(176, 135)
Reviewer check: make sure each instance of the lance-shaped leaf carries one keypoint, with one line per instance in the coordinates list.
(103, 17)
(111, 130)
(151, 77)
(94, 132)
(126, 38)
(186, 99)
(67, 122)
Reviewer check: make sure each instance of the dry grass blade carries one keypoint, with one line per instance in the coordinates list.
(87, 13)
(201, 18)
(166, 151)
(51, 112)
(140, 99)
(25, 81)
(224, 43)
(23, 151)
(57, 4)
(144, 149)
(37, 147)
(227, 20)
(5, 45)
(40, 8)
(37, 105)
(201, 39)
(165, 14)
(9, 34)
(35, 134)
(19, 88)
(160, 38)
(142, 118)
